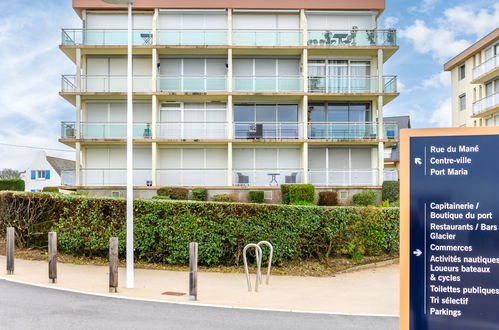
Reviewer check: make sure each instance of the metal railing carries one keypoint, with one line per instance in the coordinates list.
(192, 84)
(390, 174)
(267, 84)
(267, 177)
(68, 130)
(344, 177)
(192, 37)
(68, 178)
(192, 177)
(268, 130)
(104, 83)
(332, 38)
(351, 84)
(247, 37)
(192, 130)
(487, 66)
(114, 176)
(350, 130)
(105, 130)
(486, 103)
(105, 37)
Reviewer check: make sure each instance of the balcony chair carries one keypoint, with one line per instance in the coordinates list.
(291, 178)
(242, 180)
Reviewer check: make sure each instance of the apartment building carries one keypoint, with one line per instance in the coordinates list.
(231, 95)
(475, 83)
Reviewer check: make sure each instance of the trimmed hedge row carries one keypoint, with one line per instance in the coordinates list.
(12, 184)
(164, 228)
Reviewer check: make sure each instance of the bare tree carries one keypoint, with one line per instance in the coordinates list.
(8, 173)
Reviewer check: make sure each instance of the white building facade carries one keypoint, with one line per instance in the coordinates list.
(46, 171)
(229, 97)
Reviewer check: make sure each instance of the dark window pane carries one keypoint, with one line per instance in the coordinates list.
(337, 116)
(244, 113)
(287, 112)
(265, 112)
(317, 116)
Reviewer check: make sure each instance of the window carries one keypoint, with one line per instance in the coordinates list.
(191, 112)
(258, 113)
(339, 112)
(462, 72)
(339, 76)
(462, 101)
(40, 175)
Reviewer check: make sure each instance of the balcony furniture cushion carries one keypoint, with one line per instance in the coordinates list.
(291, 178)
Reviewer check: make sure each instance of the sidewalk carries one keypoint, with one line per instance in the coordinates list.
(369, 291)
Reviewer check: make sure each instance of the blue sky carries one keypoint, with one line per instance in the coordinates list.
(429, 33)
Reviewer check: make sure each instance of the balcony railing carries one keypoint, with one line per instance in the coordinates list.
(192, 177)
(350, 130)
(390, 174)
(192, 84)
(485, 67)
(343, 177)
(105, 37)
(192, 130)
(352, 38)
(268, 130)
(266, 37)
(188, 37)
(68, 178)
(114, 177)
(105, 130)
(104, 83)
(267, 177)
(351, 84)
(268, 84)
(486, 103)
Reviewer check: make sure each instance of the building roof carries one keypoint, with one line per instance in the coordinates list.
(378, 5)
(472, 50)
(60, 164)
(402, 122)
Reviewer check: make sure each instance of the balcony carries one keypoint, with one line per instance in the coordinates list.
(350, 130)
(113, 177)
(192, 131)
(489, 103)
(104, 84)
(259, 84)
(357, 38)
(105, 37)
(344, 177)
(268, 130)
(105, 130)
(485, 71)
(266, 38)
(192, 177)
(267, 177)
(188, 84)
(351, 84)
(390, 174)
(192, 37)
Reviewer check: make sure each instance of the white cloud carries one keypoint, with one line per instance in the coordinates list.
(441, 79)
(442, 114)
(389, 22)
(465, 20)
(439, 42)
(424, 6)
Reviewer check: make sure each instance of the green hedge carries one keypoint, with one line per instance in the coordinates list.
(222, 198)
(199, 194)
(256, 196)
(301, 193)
(365, 198)
(163, 228)
(51, 189)
(285, 193)
(12, 184)
(390, 191)
(174, 192)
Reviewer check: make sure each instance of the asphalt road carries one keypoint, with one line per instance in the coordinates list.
(29, 307)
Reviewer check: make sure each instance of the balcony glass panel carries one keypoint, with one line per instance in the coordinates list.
(487, 66)
(350, 84)
(486, 103)
(192, 37)
(114, 130)
(267, 177)
(352, 38)
(266, 37)
(105, 37)
(200, 130)
(105, 84)
(192, 177)
(350, 130)
(268, 130)
(343, 177)
(192, 84)
(113, 177)
(268, 84)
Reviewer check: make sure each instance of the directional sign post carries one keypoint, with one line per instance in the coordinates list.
(449, 247)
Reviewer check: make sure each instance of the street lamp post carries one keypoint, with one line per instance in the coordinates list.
(129, 151)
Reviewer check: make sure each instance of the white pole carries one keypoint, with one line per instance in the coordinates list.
(129, 162)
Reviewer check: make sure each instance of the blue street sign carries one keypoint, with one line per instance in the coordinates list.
(454, 232)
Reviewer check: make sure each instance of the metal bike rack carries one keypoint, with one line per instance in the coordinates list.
(258, 253)
(270, 261)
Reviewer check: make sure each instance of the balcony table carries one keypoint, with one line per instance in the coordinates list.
(273, 175)
(340, 37)
(147, 37)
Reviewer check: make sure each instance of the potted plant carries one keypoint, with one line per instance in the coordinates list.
(353, 34)
(390, 37)
(314, 83)
(70, 131)
(322, 42)
(329, 37)
(371, 36)
(147, 131)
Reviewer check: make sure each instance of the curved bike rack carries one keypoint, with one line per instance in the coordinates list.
(258, 253)
(270, 261)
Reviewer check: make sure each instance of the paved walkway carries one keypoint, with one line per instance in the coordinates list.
(369, 291)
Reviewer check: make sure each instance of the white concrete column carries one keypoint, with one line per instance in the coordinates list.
(154, 117)
(380, 70)
(304, 116)
(154, 70)
(77, 164)
(303, 27)
(229, 27)
(304, 69)
(154, 163)
(78, 117)
(78, 70)
(381, 162)
(304, 161)
(154, 28)
(381, 144)
(230, 118)
(229, 164)
(229, 70)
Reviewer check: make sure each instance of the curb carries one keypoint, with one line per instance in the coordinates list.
(370, 266)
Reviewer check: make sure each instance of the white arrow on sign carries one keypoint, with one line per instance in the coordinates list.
(417, 161)
(417, 252)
